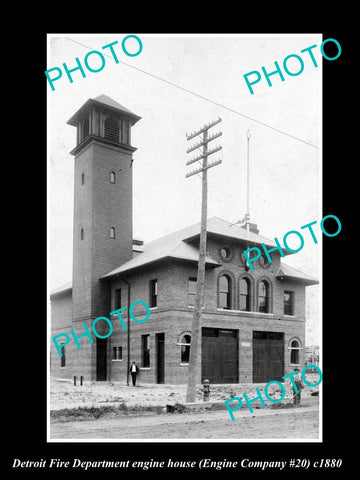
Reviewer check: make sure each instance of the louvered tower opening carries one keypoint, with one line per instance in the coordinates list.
(111, 129)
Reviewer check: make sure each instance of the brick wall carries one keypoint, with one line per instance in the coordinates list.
(61, 310)
(173, 315)
(98, 206)
(176, 323)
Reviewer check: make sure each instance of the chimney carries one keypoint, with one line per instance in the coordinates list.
(252, 227)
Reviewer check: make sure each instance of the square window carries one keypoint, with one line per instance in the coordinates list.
(117, 353)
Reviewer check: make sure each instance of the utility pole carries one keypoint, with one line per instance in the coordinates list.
(248, 136)
(195, 328)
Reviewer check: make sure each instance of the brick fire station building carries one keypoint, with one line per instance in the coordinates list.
(253, 321)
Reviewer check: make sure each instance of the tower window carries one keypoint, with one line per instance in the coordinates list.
(111, 129)
(112, 177)
(112, 232)
(63, 357)
(126, 132)
(82, 178)
(86, 128)
(82, 234)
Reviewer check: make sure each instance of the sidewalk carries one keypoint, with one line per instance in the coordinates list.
(64, 395)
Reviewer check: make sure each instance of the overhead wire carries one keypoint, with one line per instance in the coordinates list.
(202, 97)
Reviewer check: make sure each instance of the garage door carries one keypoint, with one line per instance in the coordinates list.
(268, 356)
(219, 355)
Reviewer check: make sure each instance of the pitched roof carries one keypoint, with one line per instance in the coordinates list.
(107, 103)
(104, 99)
(292, 273)
(175, 245)
(168, 246)
(218, 226)
(62, 289)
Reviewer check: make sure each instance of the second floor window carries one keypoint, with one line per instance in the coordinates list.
(288, 303)
(117, 298)
(245, 294)
(191, 291)
(153, 293)
(264, 304)
(225, 292)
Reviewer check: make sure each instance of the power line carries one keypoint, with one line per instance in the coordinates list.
(202, 97)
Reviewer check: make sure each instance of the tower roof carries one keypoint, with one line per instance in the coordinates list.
(106, 103)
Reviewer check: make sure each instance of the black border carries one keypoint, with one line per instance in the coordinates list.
(26, 369)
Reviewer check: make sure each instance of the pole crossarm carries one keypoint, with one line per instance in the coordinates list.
(201, 169)
(194, 355)
(203, 129)
(204, 142)
(209, 152)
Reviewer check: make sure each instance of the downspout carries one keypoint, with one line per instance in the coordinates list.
(128, 333)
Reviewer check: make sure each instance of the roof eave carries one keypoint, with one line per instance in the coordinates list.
(209, 264)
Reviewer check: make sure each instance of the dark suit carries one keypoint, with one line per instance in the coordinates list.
(134, 373)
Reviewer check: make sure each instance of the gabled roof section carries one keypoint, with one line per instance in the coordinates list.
(169, 246)
(222, 228)
(175, 245)
(291, 273)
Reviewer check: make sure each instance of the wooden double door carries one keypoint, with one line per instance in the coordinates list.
(268, 356)
(220, 354)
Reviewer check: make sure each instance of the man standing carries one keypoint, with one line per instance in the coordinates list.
(134, 369)
(300, 386)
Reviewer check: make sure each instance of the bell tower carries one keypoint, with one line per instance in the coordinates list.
(102, 202)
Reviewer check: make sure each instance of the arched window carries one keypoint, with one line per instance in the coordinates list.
(82, 234)
(185, 348)
(112, 177)
(295, 352)
(225, 292)
(112, 232)
(111, 129)
(245, 294)
(264, 304)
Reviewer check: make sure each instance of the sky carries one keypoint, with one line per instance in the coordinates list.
(177, 84)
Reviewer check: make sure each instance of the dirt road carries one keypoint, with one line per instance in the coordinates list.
(301, 423)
